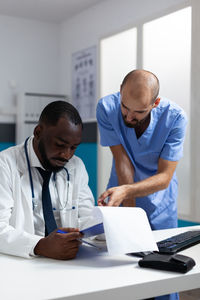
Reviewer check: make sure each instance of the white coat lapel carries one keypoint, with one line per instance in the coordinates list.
(26, 194)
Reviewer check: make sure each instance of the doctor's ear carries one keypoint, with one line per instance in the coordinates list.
(37, 131)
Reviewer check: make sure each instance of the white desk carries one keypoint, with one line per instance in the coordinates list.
(93, 275)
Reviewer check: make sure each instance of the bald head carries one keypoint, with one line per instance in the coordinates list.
(141, 83)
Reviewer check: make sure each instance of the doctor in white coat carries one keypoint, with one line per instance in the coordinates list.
(22, 225)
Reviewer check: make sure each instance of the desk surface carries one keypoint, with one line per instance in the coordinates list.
(93, 275)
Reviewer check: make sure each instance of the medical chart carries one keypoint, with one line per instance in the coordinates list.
(127, 229)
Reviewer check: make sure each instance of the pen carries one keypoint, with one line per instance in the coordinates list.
(82, 241)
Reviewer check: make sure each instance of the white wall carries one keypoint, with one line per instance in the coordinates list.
(195, 112)
(29, 59)
(104, 19)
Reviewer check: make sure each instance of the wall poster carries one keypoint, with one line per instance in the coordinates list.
(84, 82)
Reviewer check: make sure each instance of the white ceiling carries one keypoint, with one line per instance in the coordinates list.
(45, 10)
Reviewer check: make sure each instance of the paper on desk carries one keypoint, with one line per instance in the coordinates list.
(127, 229)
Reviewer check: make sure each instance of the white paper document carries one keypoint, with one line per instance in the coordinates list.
(127, 229)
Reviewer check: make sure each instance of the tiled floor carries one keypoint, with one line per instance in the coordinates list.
(190, 295)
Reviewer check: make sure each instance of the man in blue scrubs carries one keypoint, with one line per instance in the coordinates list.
(145, 134)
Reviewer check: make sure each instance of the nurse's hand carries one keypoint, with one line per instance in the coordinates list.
(58, 245)
(116, 195)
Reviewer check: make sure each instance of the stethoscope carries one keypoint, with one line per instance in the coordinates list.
(62, 207)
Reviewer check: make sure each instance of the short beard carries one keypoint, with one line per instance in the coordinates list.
(45, 162)
(130, 125)
(137, 124)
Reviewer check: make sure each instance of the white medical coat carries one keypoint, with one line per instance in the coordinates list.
(17, 234)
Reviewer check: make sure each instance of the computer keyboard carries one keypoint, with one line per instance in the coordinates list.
(179, 242)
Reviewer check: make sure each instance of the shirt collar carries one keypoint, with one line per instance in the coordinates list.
(34, 160)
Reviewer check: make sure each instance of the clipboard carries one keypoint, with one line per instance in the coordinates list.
(93, 230)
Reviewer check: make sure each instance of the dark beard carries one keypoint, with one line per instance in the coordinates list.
(138, 124)
(45, 162)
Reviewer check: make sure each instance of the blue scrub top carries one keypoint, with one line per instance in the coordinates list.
(163, 138)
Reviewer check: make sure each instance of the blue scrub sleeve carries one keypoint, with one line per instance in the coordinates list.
(173, 148)
(108, 136)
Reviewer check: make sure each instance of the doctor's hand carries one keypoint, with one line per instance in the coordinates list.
(59, 246)
(116, 195)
